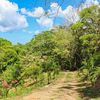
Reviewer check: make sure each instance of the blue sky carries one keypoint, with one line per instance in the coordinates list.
(20, 20)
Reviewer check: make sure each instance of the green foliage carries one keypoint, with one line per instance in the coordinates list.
(8, 56)
(11, 73)
(90, 18)
(87, 12)
(90, 44)
(91, 56)
(4, 43)
(64, 47)
(32, 71)
(41, 44)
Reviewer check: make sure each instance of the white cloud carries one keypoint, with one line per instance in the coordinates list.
(88, 3)
(70, 14)
(91, 2)
(10, 18)
(45, 21)
(55, 10)
(24, 11)
(38, 12)
(54, 5)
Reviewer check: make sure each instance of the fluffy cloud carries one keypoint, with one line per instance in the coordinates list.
(70, 14)
(38, 12)
(88, 3)
(45, 21)
(54, 5)
(91, 2)
(10, 19)
(55, 10)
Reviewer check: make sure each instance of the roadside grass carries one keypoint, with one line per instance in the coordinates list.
(22, 91)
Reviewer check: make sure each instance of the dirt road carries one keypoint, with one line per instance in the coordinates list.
(65, 88)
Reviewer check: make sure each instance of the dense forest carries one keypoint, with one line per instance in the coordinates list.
(62, 48)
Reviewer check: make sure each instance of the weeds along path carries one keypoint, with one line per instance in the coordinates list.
(65, 88)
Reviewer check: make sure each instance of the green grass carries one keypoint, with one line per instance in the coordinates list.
(22, 91)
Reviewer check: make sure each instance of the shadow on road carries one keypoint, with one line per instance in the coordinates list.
(85, 91)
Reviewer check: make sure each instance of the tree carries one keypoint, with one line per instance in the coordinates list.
(89, 41)
(10, 69)
(91, 56)
(64, 47)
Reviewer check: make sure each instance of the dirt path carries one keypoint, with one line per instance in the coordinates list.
(64, 88)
